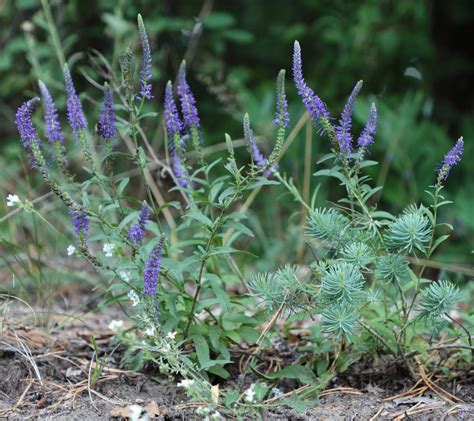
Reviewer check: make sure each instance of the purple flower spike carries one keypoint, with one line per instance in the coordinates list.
(282, 118)
(172, 120)
(343, 130)
(51, 121)
(25, 125)
(137, 231)
(80, 222)
(452, 158)
(179, 171)
(188, 103)
(145, 73)
(257, 156)
(367, 135)
(75, 114)
(152, 270)
(312, 102)
(106, 124)
(454, 155)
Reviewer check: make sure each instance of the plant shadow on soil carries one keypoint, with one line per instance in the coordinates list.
(44, 371)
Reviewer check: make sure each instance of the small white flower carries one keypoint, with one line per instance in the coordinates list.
(202, 411)
(277, 392)
(150, 331)
(133, 297)
(166, 348)
(250, 393)
(116, 325)
(186, 383)
(171, 335)
(135, 412)
(12, 200)
(125, 275)
(108, 249)
(71, 250)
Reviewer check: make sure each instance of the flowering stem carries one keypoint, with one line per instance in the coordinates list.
(216, 226)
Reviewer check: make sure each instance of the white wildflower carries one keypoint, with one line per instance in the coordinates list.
(133, 297)
(108, 249)
(277, 392)
(166, 348)
(125, 275)
(71, 250)
(186, 383)
(12, 200)
(116, 325)
(203, 411)
(171, 335)
(135, 411)
(250, 393)
(150, 331)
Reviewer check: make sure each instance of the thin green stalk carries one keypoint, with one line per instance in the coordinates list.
(53, 32)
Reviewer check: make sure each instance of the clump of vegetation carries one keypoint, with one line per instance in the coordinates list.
(362, 290)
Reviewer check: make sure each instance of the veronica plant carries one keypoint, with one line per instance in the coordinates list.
(170, 250)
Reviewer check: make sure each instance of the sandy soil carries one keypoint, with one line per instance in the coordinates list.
(45, 364)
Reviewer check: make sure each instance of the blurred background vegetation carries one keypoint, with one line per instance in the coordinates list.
(414, 58)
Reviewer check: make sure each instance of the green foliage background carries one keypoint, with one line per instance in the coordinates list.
(409, 54)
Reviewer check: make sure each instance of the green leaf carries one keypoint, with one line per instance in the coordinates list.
(332, 172)
(221, 295)
(202, 351)
(203, 219)
(220, 371)
(295, 402)
(324, 158)
(231, 396)
(262, 181)
(125, 221)
(239, 227)
(368, 163)
(214, 190)
(123, 184)
(212, 363)
(298, 372)
(439, 241)
(222, 250)
(229, 191)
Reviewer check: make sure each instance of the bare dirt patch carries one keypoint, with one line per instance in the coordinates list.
(46, 360)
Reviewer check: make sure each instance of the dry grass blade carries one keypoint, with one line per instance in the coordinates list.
(25, 352)
(374, 417)
(443, 394)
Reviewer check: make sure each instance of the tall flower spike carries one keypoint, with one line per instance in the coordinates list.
(145, 73)
(106, 124)
(137, 231)
(172, 120)
(257, 156)
(452, 158)
(312, 102)
(75, 114)
(152, 270)
(367, 135)
(343, 130)
(282, 118)
(24, 124)
(80, 222)
(188, 103)
(51, 121)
